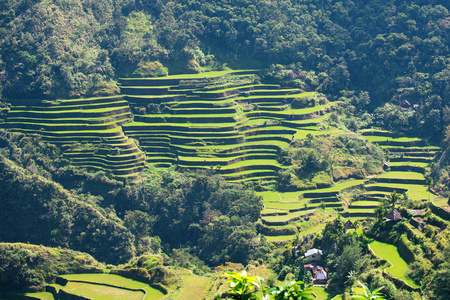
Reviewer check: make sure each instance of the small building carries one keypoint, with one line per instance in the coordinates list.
(405, 103)
(393, 216)
(313, 255)
(349, 225)
(318, 274)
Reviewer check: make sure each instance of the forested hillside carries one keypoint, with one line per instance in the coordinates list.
(172, 139)
(394, 50)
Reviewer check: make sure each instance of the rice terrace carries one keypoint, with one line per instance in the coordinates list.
(229, 123)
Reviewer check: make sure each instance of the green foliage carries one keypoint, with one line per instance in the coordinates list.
(368, 294)
(393, 198)
(30, 267)
(319, 161)
(42, 212)
(198, 210)
(149, 269)
(291, 290)
(150, 69)
(243, 286)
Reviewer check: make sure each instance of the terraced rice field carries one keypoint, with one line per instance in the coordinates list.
(217, 120)
(409, 159)
(225, 123)
(399, 266)
(89, 130)
(320, 293)
(104, 286)
(193, 286)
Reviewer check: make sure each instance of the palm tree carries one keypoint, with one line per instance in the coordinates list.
(393, 198)
(368, 294)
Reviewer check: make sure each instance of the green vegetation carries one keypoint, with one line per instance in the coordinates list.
(101, 292)
(368, 294)
(30, 267)
(112, 279)
(389, 252)
(334, 110)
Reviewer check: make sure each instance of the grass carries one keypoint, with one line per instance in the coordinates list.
(230, 89)
(402, 175)
(40, 295)
(282, 218)
(409, 163)
(272, 210)
(112, 279)
(415, 191)
(441, 202)
(101, 292)
(320, 293)
(278, 238)
(274, 196)
(399, 266)
(338, 186)
(361, 210)
(283, 206)
(375, 139)
(247, 163)
(193, 287)
(366, 203)
(313, 229)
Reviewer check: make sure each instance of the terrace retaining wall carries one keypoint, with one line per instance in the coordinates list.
(444, 214)
(408, 169)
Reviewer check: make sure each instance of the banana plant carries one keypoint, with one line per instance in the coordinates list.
(243, 286)
(368, 294)
(292, 291)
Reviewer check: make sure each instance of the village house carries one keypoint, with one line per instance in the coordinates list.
(318, 274)
(313, 255)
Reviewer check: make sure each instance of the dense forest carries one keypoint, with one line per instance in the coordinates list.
(367, 57)
(393, 50)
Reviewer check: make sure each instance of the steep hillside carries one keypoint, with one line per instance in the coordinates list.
(42, 212)
(30, 267)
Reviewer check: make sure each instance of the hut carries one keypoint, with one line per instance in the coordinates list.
(349, 225)
(393, 216)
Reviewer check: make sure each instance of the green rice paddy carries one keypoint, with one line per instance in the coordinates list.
(40, 295)
(399, 266)
(103, 286)
(100, 292)
(376, 139)
(111, 279)
(320, 293)
(401, 175)
(193, 286)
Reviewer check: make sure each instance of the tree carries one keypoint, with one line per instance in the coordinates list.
(393, 198)
(380, 212)
(368, 294)
(139, 223)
